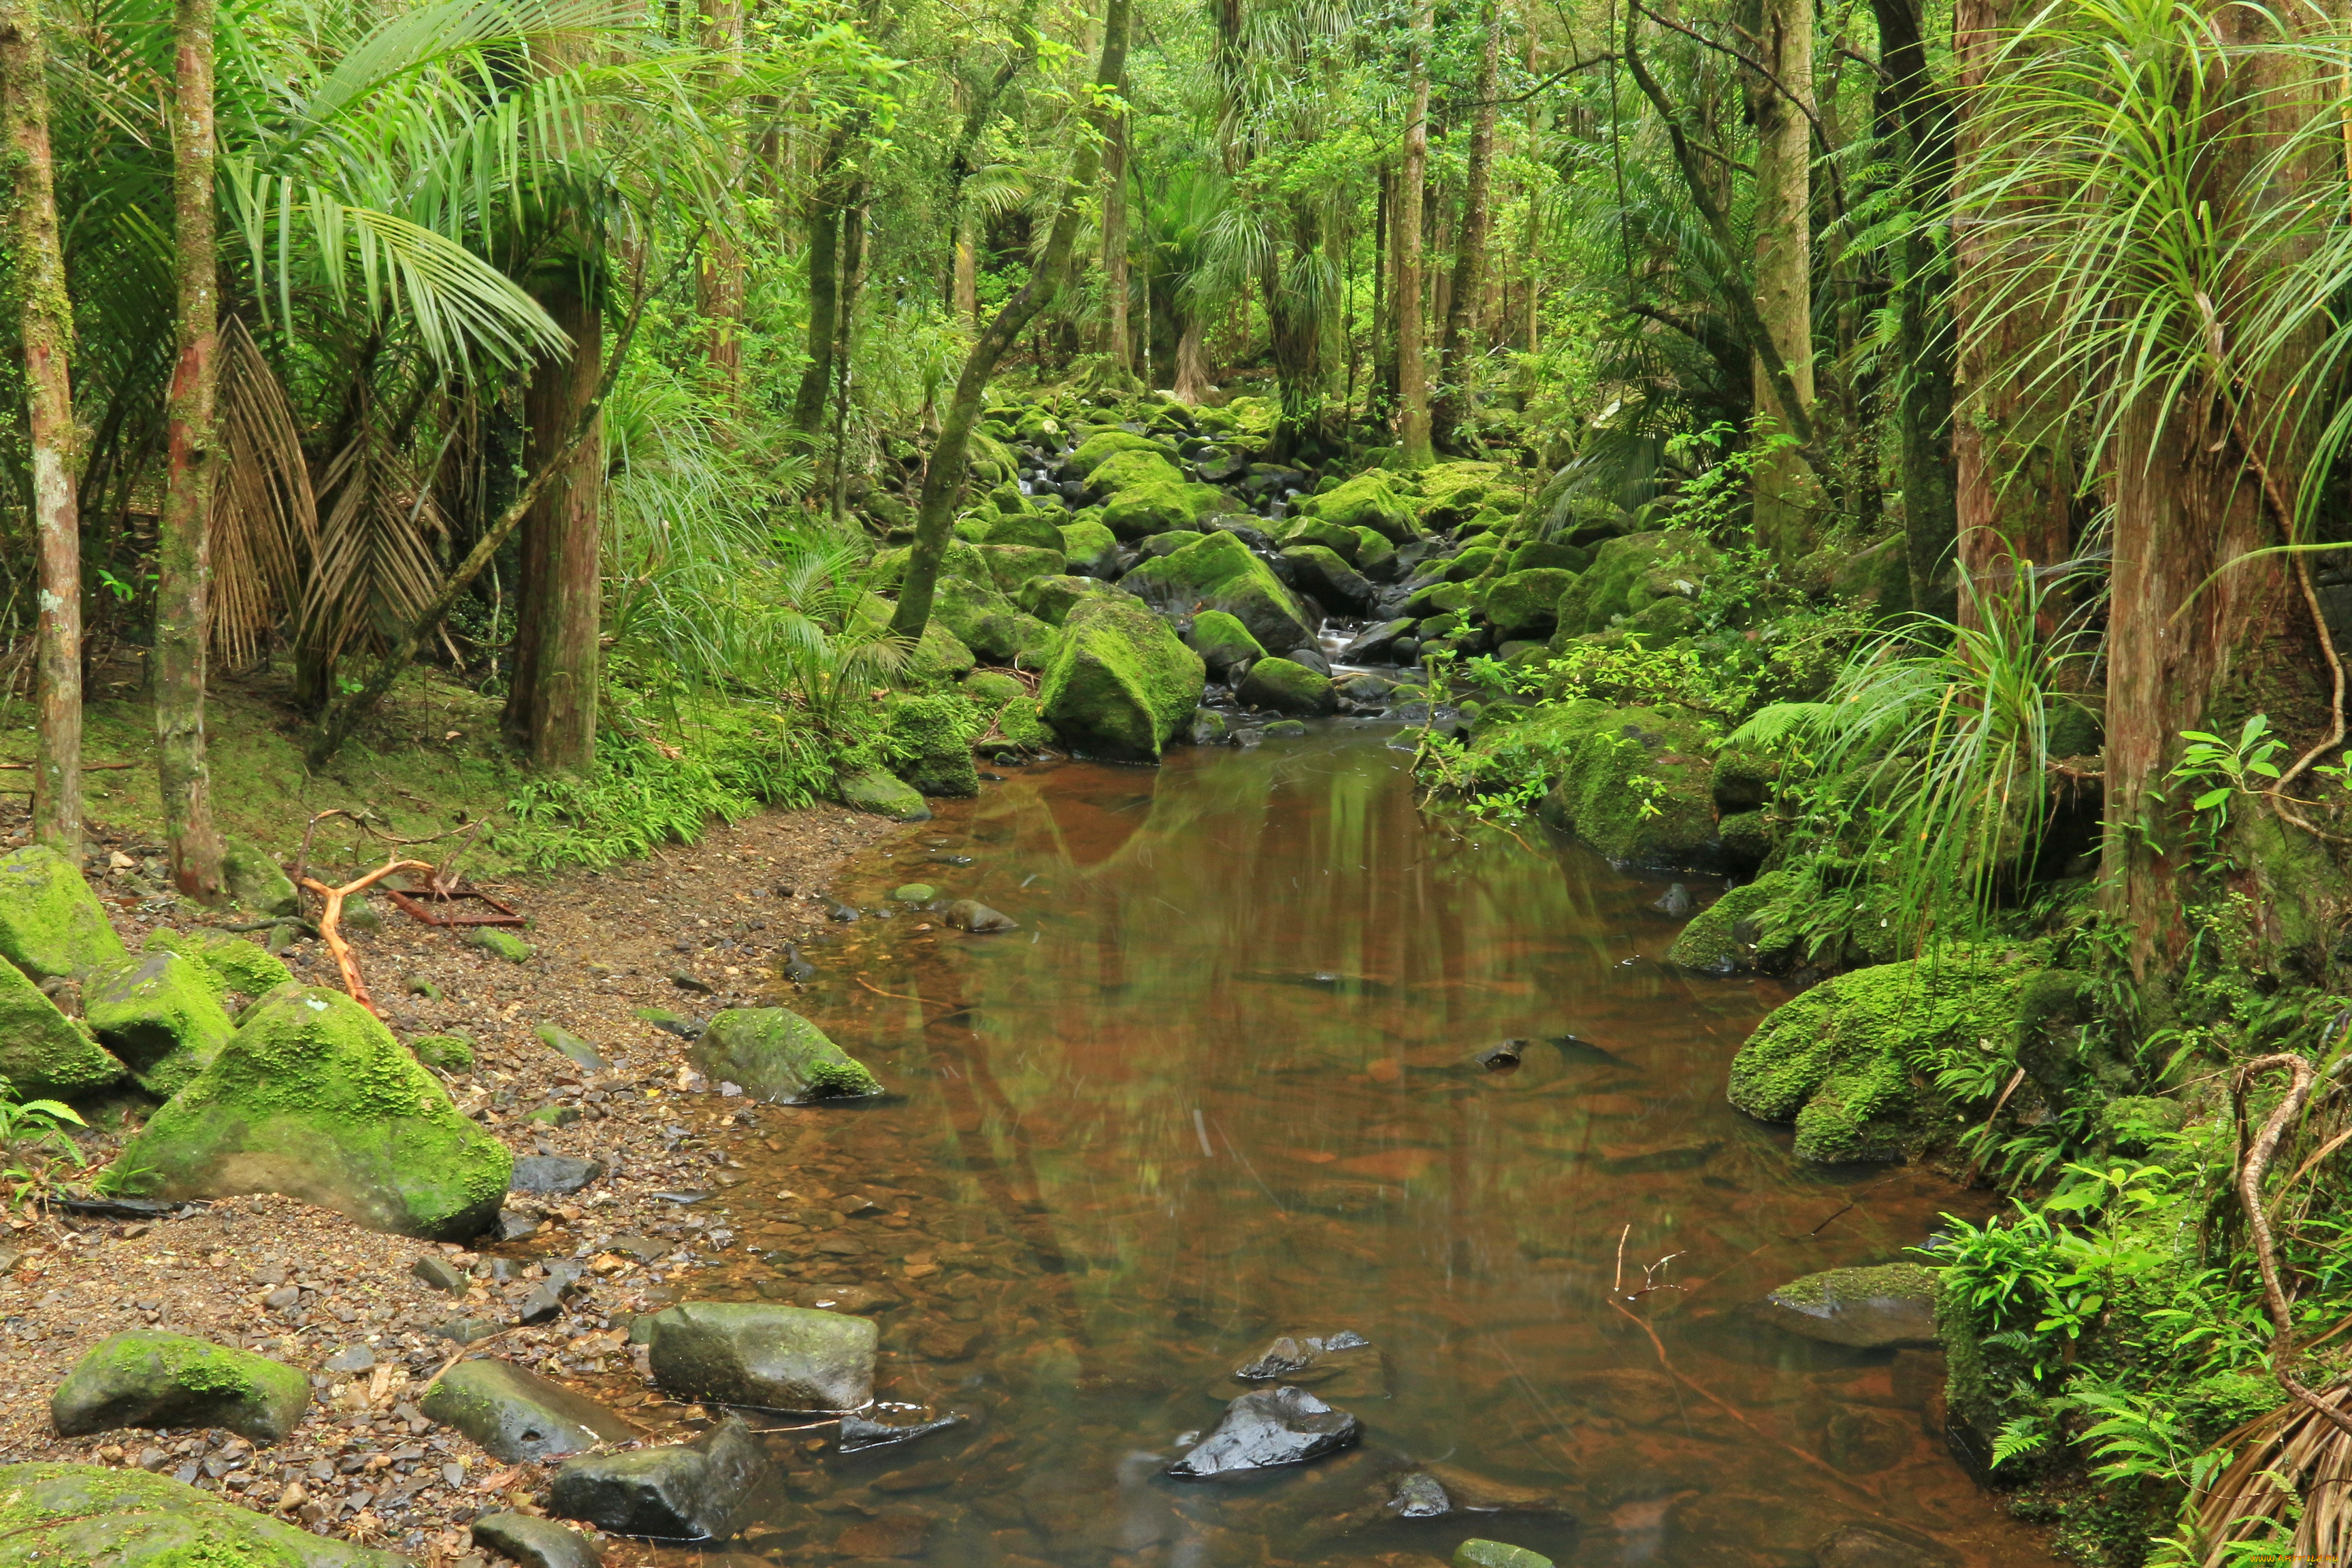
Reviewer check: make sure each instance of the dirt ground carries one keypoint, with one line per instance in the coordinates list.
(690, 930)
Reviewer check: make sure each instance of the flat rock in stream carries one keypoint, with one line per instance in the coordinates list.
(768, 1357)
(1346, 1365)
(1266, 1430)
(535, 1542)
(685, 1491)
(1891, 1306)
(517, 1415)
(1876, 1546)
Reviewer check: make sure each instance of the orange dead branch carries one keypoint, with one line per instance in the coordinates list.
(330, 923)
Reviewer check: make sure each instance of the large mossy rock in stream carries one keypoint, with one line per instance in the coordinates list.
(1051, 599)
(1738, 931)
(51, 925)
(1288, 687)
(1158, 506)
(1222, 642)
(1217, 572)
(988, 622)
(1889, 1307)
(1344, 542)
(1526, 604)
(1102, 446)
(1120, 684)
(44, 1055)
(1630, 576)
(84, 1516)
(1454, 493)
(1033, 530)
(313, 1097)
(161, 1014)
(1011, 565)
(1133, 469)
(1088, 549)
(1372, 499)
(1630, 781)
(932, 737)
(775, 1054)
(1327, 576)
(149, 1378)
(880, 793)
(1844, 1060)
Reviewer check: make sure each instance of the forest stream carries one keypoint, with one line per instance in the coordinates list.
(1223, 1085)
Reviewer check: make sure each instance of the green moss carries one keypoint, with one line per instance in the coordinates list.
(1722, 938)
(1155, 506)
(1370, 501)
(450, 1053)
(1221, 641)
(1526, 604)
(1630, 781)
(1088, 548)
(775, 1054)
(1098, 449)
(500, 943)
(931, 737)
(51, 922)
(1438, 598)
(1552, 554)
(1050, 598)
(237, 964)
(1011, 565)
(43, 1056)
(1373, 551)
(155, 1379)
(986, 622)
(161, 1013)
(1342, 542)
(81, 1516)
(883, 793)
(313, 1097)
(1841, 1059)
(1287, 688)
(1217, 572)
(256, 880)
(1470, 562)
(1631, 573)
(1121, 683)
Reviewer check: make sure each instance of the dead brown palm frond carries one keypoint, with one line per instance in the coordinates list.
(2288, 1488)
(376, 566)
(265, 521)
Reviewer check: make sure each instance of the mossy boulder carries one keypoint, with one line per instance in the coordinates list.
(450, 1053)
(1011, 565)
(1470, 562)
(84, 1516)
(1155, 506)
(154, 1379)
(1050, 599)
(1222, 642)
(44, 1055)
(1100, 448)
(1088, 549)
(51, 924)
(1345, 543)
(312, 1097)
(1327, 576)
(940, 655)
(879, 792)
(1375, 556)
(1726, 937)
(1438, 598)
(775, 1054)
(1288, 687)
(1844, 1060)
(1554, 554)
(1127, 469)
(1630, 575)
(931, 739)
(241, 968)
(1372, 500)
(1526, 604)
(1120, 684)
(255, 879)
(1630, 781)
(983, 620)
(1888, 1307)
(1217, 572)
(161, 1014)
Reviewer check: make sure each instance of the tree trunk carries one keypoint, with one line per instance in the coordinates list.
(1382, 397)
(718, 285)
(1784, 489)
(184, 532)
(550, 710)
(45, 322)
(823, 287)
(1413, 368)
(1295, 333)
(943, 475)
(2013, 476)
(852, 275)
(1120, 345)
(967, 269)
(1460, 343)
(1192, 363)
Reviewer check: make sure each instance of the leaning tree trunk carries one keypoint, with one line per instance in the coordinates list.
(550, 710)
(46, 324)
(1413, 367)
(1469, 289)
(1783, 484)
(183, 531)
(943, 476)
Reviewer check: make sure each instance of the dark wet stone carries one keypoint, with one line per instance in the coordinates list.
(1872, 1308)
(796, 969)
(465, 1331)
(349, 1359)
(1312, 658)
(1473, 1493)
(858, 1434)
(685, 981)
(1265, 1430)
(1653, 1162)
(150, 1378)
(1878, 1546)
(553, 1174)
(535, 1542)
(771, 1357)
(670, 1023)
(841, 912)
(1279, 1360)
(683, 1492)
(543, 1305)
(644, 1248)
(1419, 1496)
(512, 1224)
(1676, 903)
(517, 1415)
(1502, 1057)
(967, 914)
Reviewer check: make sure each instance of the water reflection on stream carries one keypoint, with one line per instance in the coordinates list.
(1219, 1087)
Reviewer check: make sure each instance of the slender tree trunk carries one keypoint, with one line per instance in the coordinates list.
(184, 532)
(46, 324)
(550, 710)
(719, 282)
(824, 218)
(1192, 364)
(853, 276)
(1469, 290)
(967, 269)
(1784, 489)
(1120, 345)
(943, 476)
(1412, 366)
(2013, 475)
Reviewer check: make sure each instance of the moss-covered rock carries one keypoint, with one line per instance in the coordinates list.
(1050, 599)
(161, 1014)
(1132, 469)
(931, 738)
(1555, 554)
(312, 1097)
(51, 925)
(1454, 492)
(775, 1054)
(1344, 542)
(1217, 572)
(242, 968)
(1088, 548)
(879, 792)
(1628, 575)
(940, 655)
(1885, 1307)
(1326, 575)
(1526, 604)
(983, 620)
(255, 879)
(43, 1053)
(1288, 687)
(450, 1053)
(1222, 642)
(1011, 565)
(1630, 781)
(1844, 1060)
(1152, 507)
(1439, 598)
(1470, 562)
(1375, 557)
(1120, 684)
(1100, 448)
(84, 1516)
(1372, 499)
(2059, 1045)
(1722, 937)
(500, 944)
(154, 1379)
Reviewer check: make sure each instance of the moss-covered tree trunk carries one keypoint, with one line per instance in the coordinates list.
(183, 531)
(824, 252)
(1784, 488)
(45, 321)
(1463, 299)
(1118, 343)
(943, 475)
(1412, 182)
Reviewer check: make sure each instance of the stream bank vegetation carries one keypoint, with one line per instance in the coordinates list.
(1891, 459)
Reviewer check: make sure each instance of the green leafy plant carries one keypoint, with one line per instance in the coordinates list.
(2222, 770)
(33, 1143)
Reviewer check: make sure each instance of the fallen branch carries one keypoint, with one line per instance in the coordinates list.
(330, 924)
(2258, 1224)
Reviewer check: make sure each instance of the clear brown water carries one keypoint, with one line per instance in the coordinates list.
(1219, 1087)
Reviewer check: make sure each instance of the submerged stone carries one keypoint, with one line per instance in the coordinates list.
(776, 1055)
(1885, 1308)
(968, 914)
(1265, 1430)
(155, 1379)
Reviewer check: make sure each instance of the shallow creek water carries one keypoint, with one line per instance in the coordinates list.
(1221, 1086)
